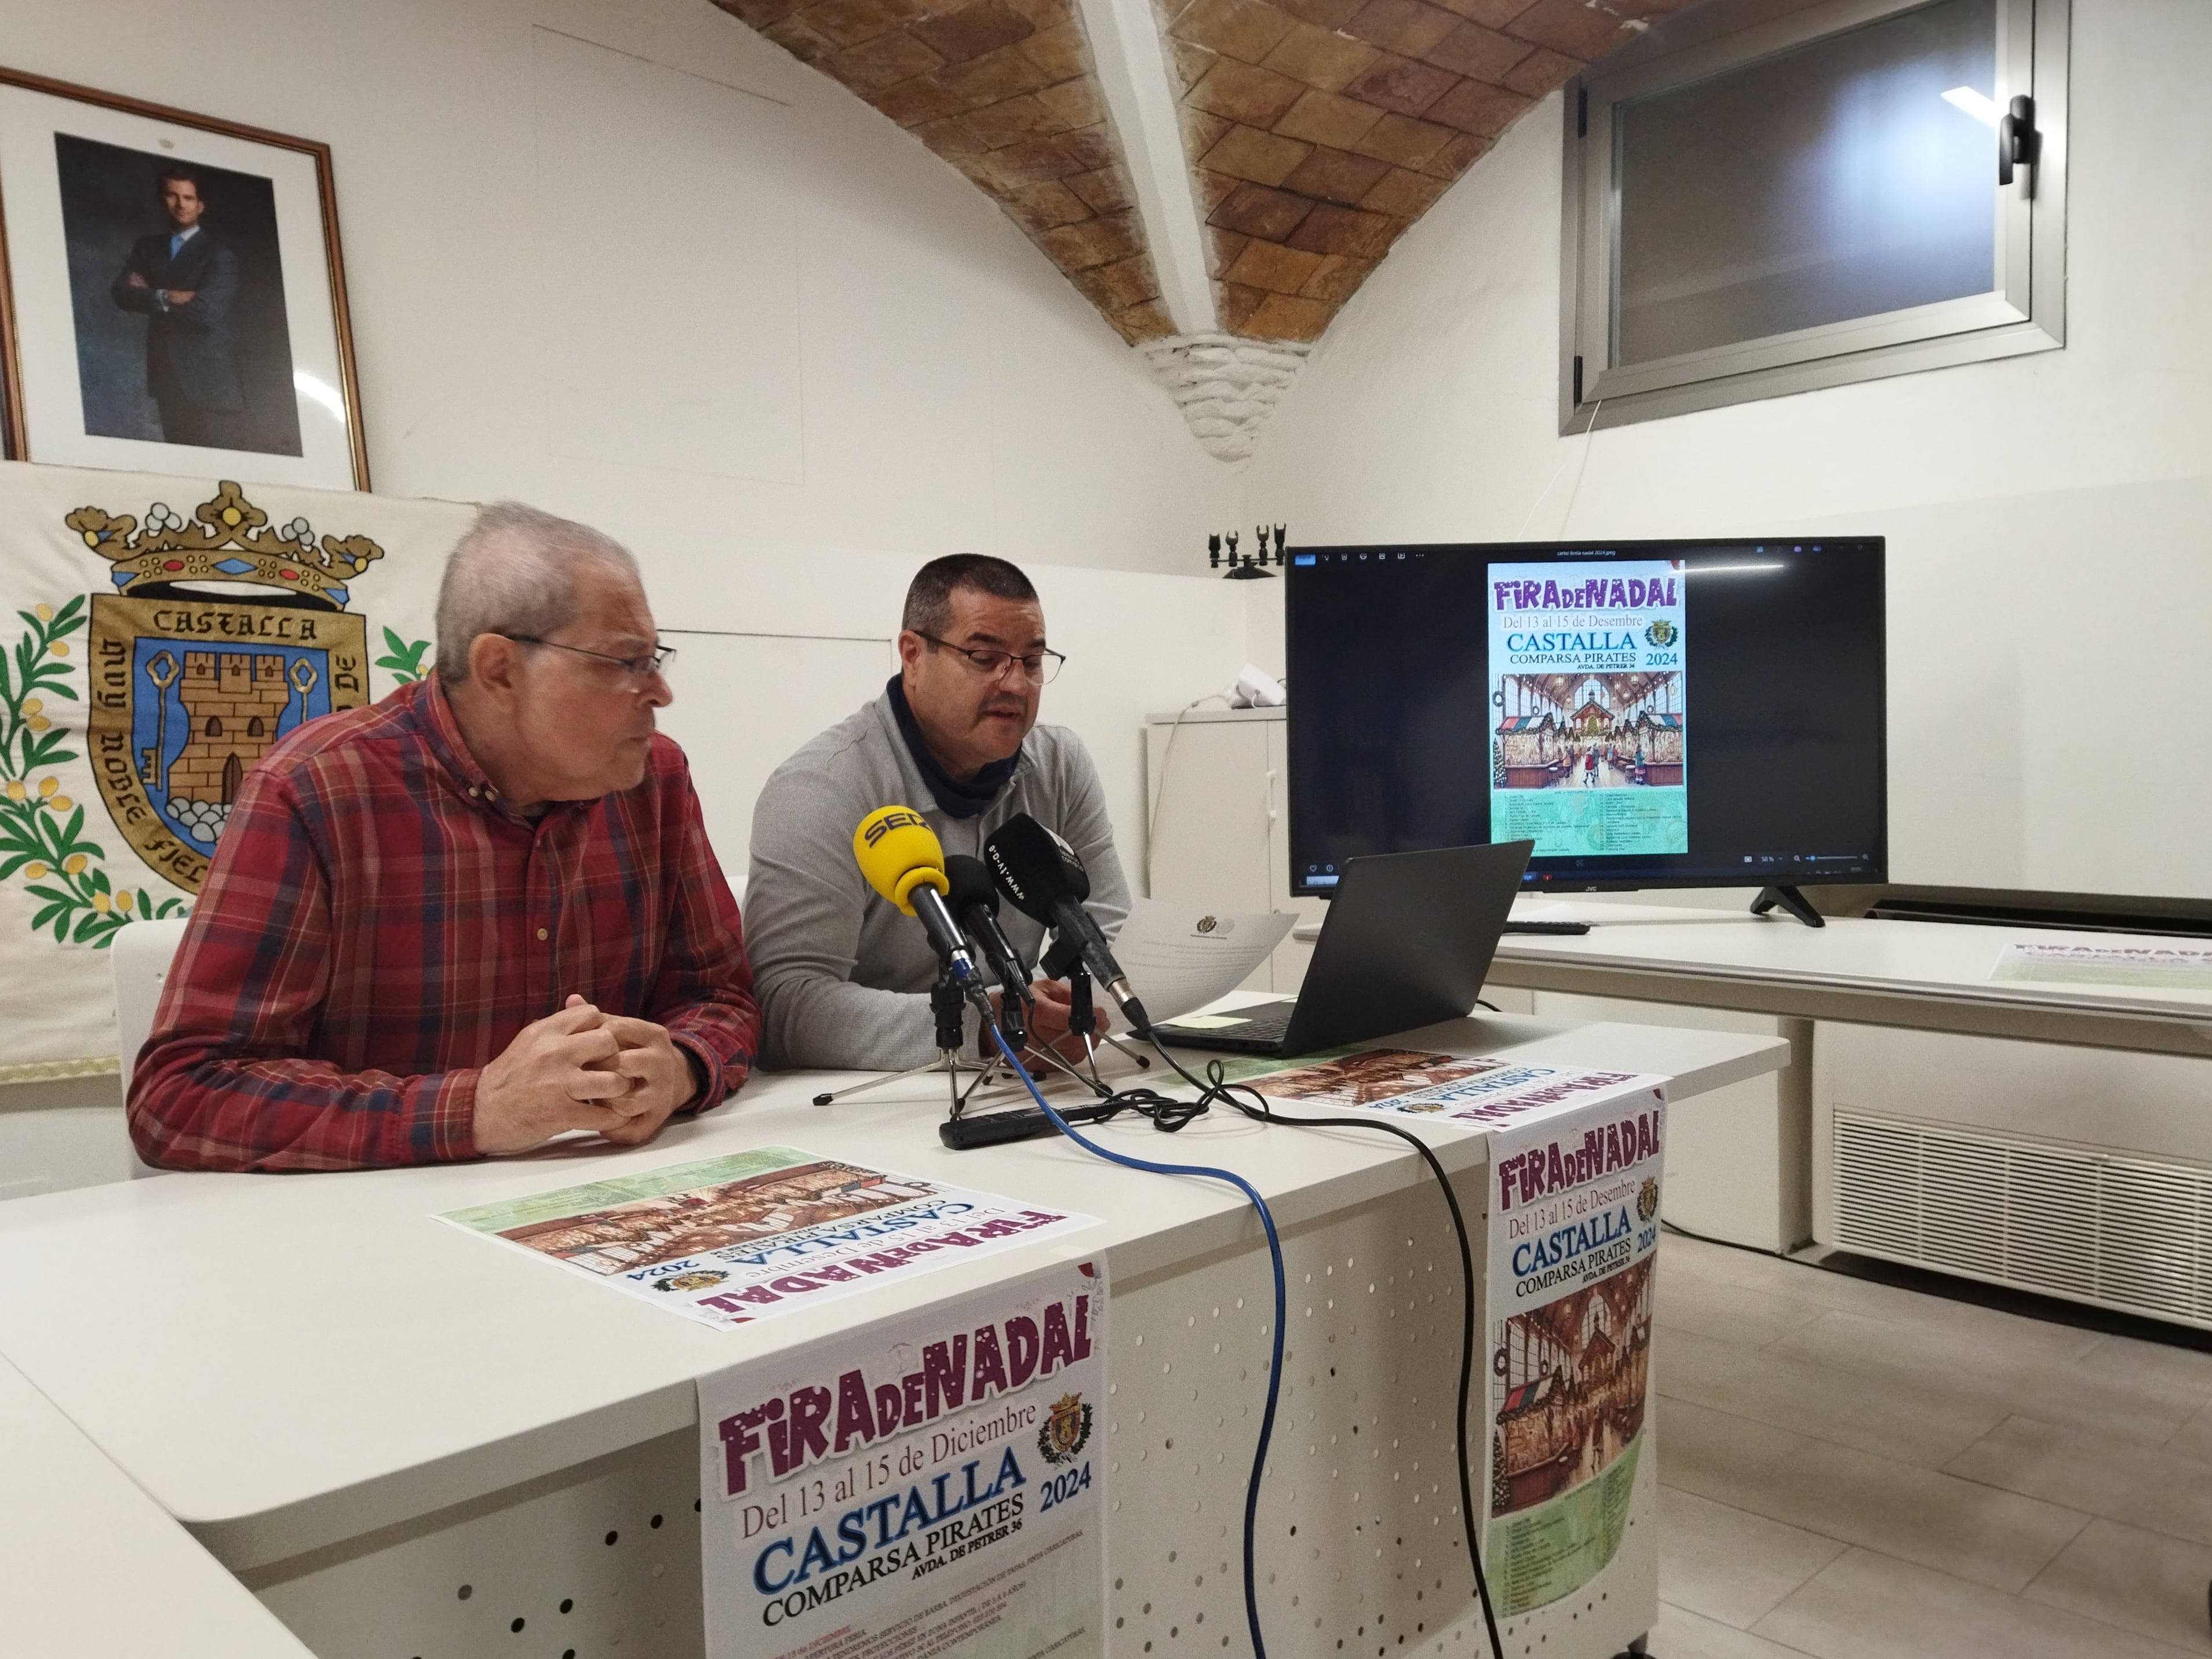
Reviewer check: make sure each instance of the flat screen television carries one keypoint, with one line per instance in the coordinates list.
(1652, 713)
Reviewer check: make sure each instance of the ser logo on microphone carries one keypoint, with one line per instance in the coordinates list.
(883, 826)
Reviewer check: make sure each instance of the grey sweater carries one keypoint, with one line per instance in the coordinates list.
(841, 975)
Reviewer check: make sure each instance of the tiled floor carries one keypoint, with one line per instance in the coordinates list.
(1853, 1471)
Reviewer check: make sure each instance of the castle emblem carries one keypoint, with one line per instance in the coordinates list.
(1067, 1429)
(1646, 1199)
(224, 634)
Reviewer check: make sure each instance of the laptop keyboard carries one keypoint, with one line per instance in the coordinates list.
(1262, 1029)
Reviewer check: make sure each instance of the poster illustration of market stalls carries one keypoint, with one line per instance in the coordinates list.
(1590, 732)
(1573, 1390)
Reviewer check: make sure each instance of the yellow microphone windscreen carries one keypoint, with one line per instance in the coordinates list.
(897, 852)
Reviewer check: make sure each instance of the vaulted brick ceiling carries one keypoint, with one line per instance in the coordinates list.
(1006, 90)
(1287, 143)
(1320, 129)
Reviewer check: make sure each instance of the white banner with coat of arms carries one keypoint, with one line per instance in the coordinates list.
(157, 634)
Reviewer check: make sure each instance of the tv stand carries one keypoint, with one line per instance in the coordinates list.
(1790, 899)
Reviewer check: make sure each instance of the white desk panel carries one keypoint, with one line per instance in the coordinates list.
(287, 1362)
(89, 1565)
(1933, 976)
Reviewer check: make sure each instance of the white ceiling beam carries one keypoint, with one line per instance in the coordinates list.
(1141, 96)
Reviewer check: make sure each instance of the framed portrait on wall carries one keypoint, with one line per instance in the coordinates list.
(172, 295)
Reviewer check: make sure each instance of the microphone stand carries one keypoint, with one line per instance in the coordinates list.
(1065, 960)
(946, 1001)
(1083, 1014)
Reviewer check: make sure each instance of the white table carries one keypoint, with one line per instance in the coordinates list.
(1925, 975)
(90, 1565)
(360, 1409)
(1913, 1065)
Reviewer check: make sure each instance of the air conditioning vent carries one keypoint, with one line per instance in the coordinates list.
(2123, 1231)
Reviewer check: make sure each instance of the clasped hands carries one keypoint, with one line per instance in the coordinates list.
(581, 1068)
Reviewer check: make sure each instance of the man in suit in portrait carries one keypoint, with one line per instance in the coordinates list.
(185, 281)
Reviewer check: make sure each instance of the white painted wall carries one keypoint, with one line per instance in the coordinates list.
(674, 282)
(1134, 643)
(2049, 517)
(625, 259)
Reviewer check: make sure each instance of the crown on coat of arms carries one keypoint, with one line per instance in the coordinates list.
(228, 539)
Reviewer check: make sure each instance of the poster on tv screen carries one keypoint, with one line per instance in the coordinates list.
(1588, 754)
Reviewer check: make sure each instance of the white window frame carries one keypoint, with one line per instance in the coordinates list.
(2026, 311)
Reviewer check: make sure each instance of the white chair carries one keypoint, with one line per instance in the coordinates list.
(140, 955)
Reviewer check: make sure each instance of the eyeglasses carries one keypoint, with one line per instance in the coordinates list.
(637, 667)
(1039, 668)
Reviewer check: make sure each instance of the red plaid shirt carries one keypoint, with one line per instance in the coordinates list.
(377, 927)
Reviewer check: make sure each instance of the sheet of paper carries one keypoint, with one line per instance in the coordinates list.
(732, 1240)
(1179, 959)
(2150, 967)
(931, 1484)
(1474, 1089)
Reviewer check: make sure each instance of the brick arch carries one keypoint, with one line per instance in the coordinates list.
(1319, 130)
(1313, 134)
(1007, 92)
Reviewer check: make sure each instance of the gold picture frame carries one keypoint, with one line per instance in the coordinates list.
(109, 206)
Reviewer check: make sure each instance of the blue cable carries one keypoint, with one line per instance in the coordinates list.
(1275, 1257)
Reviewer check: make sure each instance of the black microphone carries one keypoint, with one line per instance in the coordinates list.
(974, 902)
(1041, 873)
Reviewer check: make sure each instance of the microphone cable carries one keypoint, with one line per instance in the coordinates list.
(1160, 1120)
(1217, 1087)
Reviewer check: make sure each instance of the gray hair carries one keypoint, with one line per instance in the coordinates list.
(515, 572)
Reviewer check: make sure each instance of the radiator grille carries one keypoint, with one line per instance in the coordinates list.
(2122, 1231)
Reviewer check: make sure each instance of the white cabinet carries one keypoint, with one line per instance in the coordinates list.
(1216, 790)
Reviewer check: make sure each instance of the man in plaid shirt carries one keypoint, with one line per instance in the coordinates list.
(475, 915)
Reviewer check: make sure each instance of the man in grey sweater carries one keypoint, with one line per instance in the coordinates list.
(842, 976)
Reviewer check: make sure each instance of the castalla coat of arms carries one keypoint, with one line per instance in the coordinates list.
(1067, 1429)
(224, 634)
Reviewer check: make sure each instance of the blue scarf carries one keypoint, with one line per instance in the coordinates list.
(954, 799)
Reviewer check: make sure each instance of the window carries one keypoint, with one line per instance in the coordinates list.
(1765, 197)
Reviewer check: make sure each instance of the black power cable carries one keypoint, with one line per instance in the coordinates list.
(1170, 1115)
(1276, 1332)
(1217, 1087)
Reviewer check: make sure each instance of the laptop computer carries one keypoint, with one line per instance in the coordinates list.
(1407, 942)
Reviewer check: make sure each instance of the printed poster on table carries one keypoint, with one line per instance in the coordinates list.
(2141, 966)
(1458, 1088)
(930, 1485)
(1574, 1232)
(1588, 756)
(747, 1236)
